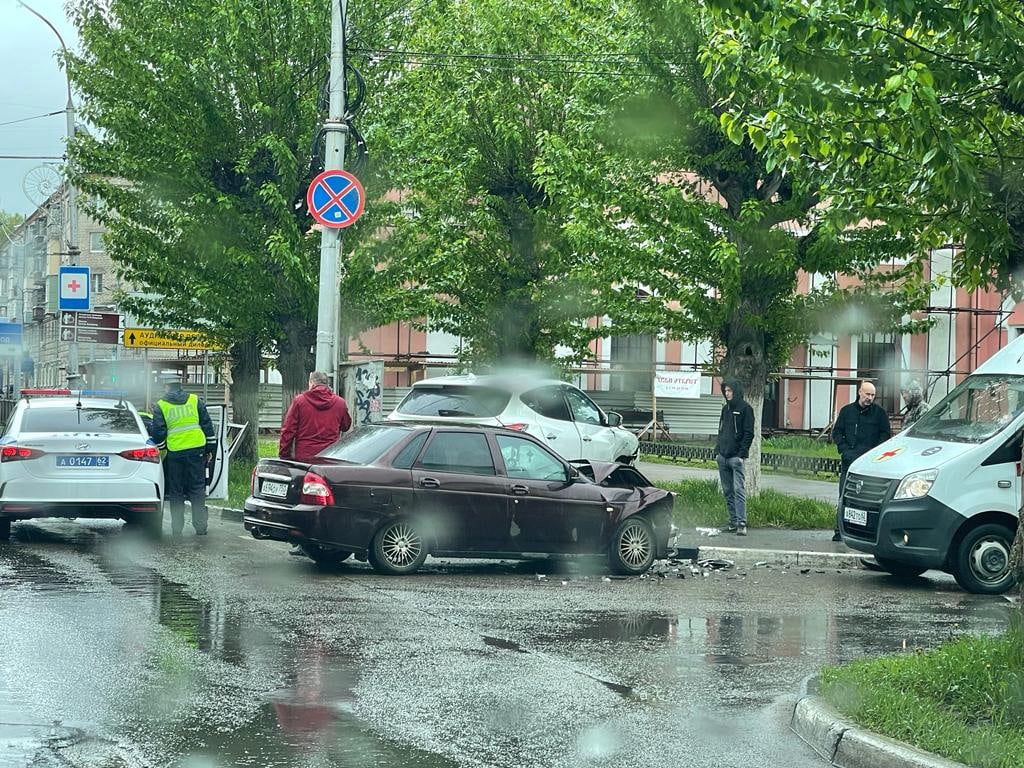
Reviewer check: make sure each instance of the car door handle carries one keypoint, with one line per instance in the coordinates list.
(520, 490)
(429, 482)
(587, 439)
(551, 437)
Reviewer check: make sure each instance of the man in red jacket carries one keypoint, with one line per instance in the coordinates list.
(315, 420)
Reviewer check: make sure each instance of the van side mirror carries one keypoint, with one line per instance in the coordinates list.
(614, 418)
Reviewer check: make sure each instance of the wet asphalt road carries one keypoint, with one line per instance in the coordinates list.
(226, 651)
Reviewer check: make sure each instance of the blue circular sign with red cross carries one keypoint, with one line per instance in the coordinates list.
(336, 199)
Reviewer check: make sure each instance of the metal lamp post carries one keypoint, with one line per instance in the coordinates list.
(72, 249)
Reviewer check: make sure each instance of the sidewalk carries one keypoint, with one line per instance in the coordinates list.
(776, 546)
(825, 490)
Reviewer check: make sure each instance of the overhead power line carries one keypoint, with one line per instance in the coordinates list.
(34, 117)
(31, 157)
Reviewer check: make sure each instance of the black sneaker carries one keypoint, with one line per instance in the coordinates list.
(741, 530)
(730, 528)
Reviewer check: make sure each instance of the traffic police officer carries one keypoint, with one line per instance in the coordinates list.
(182, 426)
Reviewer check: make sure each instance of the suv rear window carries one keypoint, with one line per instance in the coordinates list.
(454, 400)
(71, 419)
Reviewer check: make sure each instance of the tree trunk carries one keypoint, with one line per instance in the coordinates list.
(745, 361)
(245, 401)
(295, 361)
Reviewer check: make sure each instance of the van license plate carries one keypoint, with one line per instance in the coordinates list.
(855, 516)
(83, 461)
(270, 488)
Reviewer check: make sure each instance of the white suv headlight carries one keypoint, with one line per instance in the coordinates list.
(916, 485)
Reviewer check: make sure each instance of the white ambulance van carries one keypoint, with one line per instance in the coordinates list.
(944, 493)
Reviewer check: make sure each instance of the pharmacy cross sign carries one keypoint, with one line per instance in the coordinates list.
(74, 289)
(336, 199)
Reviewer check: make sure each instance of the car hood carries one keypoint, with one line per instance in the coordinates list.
(640, 494)
(898, 457)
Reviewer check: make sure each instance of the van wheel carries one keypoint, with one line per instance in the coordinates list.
(898, 569)
(398, 549)
(981, 564)
(632, 549)
(5, 528)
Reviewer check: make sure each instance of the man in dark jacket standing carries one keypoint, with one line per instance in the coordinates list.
(735, 434)
(182, 426)
(315, 420)
(860, 426)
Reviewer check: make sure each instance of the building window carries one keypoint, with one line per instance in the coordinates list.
(96, 242)
(97, 282)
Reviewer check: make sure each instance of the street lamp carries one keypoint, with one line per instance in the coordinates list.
(69, 112)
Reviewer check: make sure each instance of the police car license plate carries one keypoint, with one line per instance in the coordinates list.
(83, 461)
(855, 516)
(270, 488)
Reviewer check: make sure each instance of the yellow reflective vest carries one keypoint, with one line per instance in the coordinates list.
(182, 419)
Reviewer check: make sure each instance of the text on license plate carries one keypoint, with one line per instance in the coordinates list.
(83, 461)
(855, 516)
(270, 488)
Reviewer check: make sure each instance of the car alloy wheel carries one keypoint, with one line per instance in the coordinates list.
(632, 550)
(398, 548)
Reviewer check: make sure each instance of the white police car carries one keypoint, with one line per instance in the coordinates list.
(71, 456)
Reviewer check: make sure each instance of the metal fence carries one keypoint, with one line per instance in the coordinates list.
(813, 465)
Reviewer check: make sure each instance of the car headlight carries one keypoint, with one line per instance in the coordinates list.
(916, 485)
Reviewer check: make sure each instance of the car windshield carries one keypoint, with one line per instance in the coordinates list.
(365, 444)
(982, 406)
(72, 419)
(454, 400)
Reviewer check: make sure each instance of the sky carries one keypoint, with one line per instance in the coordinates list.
(31, 83)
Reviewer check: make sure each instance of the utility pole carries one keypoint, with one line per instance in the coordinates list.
(72, 248)
(336, 129)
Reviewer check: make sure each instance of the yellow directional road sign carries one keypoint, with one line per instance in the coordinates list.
(151, 338)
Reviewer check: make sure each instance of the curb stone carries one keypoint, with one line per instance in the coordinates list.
(782, 557)
(226, 512)
(845, 745)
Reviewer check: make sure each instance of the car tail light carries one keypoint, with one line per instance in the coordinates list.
(518, 426)
(252, 482)
(147, 453)
(316, 491)
(18, 453)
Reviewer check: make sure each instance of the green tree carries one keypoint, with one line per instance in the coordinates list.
(716, 235)
(914, 109)
(204, 113)
(8, 222)
(469, 121)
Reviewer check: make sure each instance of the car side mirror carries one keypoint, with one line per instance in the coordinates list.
(571, 473)
(614, 419)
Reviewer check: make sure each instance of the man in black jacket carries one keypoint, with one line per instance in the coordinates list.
(735, 434)
(860, 426)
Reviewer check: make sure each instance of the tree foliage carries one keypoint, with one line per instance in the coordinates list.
(203, 117)
(913, 110)
(472, 124)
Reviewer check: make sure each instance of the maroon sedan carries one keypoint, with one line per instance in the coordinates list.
(394, 493)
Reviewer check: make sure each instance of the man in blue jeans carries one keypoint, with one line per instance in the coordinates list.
(735, 434)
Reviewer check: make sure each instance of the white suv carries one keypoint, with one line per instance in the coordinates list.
(558, 413)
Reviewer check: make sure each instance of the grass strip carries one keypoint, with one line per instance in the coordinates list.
(964, 700)
(701, 503)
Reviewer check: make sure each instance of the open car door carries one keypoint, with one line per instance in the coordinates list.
(217, 470)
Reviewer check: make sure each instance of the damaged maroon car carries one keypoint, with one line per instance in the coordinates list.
(394, 493)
